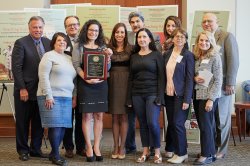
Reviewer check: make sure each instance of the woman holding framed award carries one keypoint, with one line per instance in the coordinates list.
(90, 61)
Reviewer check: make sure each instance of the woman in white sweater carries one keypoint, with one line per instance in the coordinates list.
(56, 74)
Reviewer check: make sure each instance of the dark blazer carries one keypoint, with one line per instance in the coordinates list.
(25, 61)
(69, 45)
(183, 77)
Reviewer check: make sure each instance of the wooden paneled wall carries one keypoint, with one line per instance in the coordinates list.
(125, 3)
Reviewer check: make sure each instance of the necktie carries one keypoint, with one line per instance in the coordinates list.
(38, 48)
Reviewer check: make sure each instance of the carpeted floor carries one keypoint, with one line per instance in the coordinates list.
(238, 155)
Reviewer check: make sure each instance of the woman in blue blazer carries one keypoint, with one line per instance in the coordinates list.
(179, 69)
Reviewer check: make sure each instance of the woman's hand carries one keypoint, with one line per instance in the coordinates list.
(49, 104)
(209, 105)
(185, 106)
(199, 80)
(109, 53)
(94, 81)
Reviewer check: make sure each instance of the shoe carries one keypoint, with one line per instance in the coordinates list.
(130, 150)
(143, 158)
(39, 154)
(169, 154)
(174, 156)
(97, 158)
(157, 159)
(207, 160)
(220, 156)
(60, 161)
(114, 156)
(90, 159)
(178, 159)
(69, 153)
(24, 156)
(81, 153)
(121, 156)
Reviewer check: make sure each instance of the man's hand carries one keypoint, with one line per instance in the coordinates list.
(74, 102)
(24, 95)
(229, 89)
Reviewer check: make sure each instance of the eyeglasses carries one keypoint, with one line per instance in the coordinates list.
(179, 37)
(207, 21)
(93, 30)
(74, 25)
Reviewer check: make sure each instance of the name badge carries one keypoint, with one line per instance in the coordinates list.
(67, 49)
(179, 58)
(205, 61)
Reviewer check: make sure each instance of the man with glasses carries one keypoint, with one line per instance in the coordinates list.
(230, 64)
(72, 25)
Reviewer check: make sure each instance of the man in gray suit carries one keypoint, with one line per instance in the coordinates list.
(26, 56)
(136, 21)
(230, 64)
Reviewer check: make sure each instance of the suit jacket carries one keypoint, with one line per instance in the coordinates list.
(69, 46)
(229, 56)
(131, 40)
(25, 62)
(183, 77)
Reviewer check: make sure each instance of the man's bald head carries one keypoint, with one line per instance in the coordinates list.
(209, 22)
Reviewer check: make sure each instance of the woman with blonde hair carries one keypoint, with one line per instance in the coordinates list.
(206, 93)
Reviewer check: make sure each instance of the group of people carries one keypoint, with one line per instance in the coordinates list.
(51, 90)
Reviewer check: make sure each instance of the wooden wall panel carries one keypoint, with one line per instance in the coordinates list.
(124, 3)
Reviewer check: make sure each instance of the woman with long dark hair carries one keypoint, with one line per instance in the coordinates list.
(146, 91)
(92, 94)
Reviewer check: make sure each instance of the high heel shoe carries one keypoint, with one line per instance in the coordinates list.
(90, 158)
(157, 159)
(178, 159)
(143, 158)
(97, 158)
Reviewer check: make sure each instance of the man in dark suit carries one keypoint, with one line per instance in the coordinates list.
(230, 64)
(136, 21)
(72, 25)
(26, 56)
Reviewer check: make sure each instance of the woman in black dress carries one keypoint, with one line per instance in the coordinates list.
(92, 94)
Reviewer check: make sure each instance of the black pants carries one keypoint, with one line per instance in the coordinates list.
(27, 113)
(79, 138)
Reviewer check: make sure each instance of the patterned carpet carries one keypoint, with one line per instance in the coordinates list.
(238, 155)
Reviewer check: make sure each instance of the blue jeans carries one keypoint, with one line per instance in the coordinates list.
(148, 114)
(130, 140)
(55, 135)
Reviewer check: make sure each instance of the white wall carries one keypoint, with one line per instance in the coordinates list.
(20, 4)
(243, 36)
(239, 26)
(17, 5)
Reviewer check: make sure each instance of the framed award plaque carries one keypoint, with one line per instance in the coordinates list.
(95, 65)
